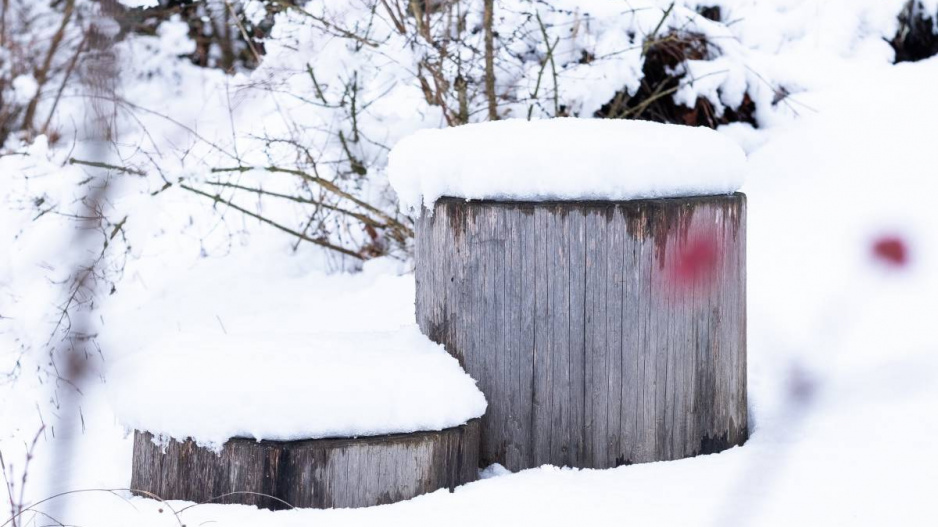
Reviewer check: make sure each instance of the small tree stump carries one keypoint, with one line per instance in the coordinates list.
(602, 333)
(320, 473)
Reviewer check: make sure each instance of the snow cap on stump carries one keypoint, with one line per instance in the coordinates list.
(564, 159)
(288, 387)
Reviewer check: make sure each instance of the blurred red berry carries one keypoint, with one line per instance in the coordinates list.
(891, 250)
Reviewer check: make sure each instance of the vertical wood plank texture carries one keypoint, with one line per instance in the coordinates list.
(319, 473)
(575, 319)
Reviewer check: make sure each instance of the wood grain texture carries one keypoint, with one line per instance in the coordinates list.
(319, 473)
(602, 333)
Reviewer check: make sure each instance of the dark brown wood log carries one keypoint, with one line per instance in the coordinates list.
(602, 333)
(319, 473)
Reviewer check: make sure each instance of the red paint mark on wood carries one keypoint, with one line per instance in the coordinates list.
(696, 261)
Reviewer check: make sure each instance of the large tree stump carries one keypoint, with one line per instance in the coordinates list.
(320, 473)
(602, 333)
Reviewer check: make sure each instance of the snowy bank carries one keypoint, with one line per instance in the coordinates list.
(563, 159)
(292, 386)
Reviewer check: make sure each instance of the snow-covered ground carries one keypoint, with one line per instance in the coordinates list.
(843, 291)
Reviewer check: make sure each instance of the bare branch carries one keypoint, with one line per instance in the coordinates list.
(328, 185)
(322, 243)
(487, 21)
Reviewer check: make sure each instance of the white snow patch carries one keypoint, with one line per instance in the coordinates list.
(493, 471)
(140, 3)
(174, 37)
(292, 386)
(254, 11)
(563, 159)
(25, 88)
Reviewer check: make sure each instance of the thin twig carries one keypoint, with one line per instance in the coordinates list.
(322, 243)
(319, 92)
(113, 492)
(42, 73)
(236, 493)
(244, 33)
(360, 217)
(649, 40)
(68, 75)
(341, 32)
(326, 184)
(106, 166)
(553, 66)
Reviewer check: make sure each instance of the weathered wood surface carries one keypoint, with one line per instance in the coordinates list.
(602, 333)
(319, 473)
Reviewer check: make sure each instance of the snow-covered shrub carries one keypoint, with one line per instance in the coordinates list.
(343, 81)
(40, 43)
(228, 34)
(641, 60)
(300, 142)
(917, 37)
(666, 91)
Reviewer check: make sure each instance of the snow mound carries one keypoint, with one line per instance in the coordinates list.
(563, 159)
(292, 386)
